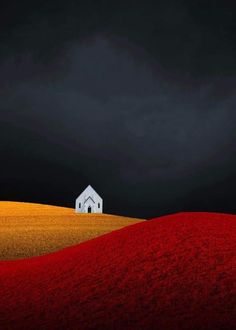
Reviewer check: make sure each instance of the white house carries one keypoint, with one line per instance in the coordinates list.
(89, 202)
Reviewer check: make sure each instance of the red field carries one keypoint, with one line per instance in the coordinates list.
(174, 272)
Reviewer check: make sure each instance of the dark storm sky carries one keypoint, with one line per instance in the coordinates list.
(136, 98)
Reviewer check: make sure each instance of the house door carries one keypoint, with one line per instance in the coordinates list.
(89, 209)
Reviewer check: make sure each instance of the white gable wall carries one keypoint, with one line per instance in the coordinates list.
(89, 200)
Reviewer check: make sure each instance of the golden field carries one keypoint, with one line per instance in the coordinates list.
(28, 229)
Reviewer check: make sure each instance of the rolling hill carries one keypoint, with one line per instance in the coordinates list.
(28, 229)
(174, 272)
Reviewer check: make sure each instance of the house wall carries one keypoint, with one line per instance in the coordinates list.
(82, 203)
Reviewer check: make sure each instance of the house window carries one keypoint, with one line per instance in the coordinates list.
(79, 205)
(99, 205)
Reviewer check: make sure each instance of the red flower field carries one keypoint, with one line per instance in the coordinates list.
(173, 272)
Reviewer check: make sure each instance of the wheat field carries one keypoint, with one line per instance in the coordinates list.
(28, 229)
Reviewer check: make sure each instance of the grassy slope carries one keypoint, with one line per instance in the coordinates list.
(175, 272)
(28, 229)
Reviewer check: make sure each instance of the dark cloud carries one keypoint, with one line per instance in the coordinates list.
(128, 100)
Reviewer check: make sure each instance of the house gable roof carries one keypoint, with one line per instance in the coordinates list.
(89, 191)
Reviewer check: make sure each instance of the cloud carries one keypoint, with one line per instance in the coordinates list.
(118, 120)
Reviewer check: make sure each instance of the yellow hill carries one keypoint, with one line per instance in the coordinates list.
(28, 229)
